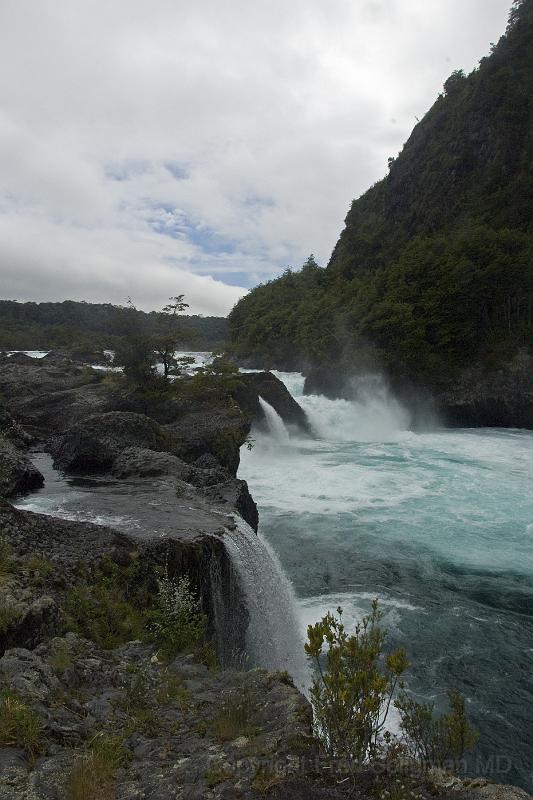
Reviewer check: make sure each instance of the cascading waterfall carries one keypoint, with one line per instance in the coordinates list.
(274, 423)
(373, 415)
(273, 638)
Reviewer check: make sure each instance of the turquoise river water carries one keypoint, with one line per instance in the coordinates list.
(438, 526)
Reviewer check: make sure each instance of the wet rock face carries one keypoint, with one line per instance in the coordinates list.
(276, 394)
(331, 383)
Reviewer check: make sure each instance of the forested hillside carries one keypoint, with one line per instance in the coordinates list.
(434, 268)
(36, 326)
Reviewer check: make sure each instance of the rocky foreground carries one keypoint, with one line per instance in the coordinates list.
(89, 705)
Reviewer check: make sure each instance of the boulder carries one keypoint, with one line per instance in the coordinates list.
(93, 444)
(17, 473)
(140, 462)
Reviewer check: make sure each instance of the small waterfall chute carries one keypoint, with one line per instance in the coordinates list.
(273, 638)
(274, 423)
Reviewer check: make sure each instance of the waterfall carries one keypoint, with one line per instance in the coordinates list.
(276, 426)
(273, 638)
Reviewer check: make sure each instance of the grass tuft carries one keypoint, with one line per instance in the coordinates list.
(235, 718)
(20, 726)
(93, 773)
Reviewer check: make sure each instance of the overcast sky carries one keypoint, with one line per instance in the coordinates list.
(150, 148)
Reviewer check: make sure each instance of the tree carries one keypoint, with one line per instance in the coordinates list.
(134, 352)
(141, 349)
(168, 335)
(355, 686)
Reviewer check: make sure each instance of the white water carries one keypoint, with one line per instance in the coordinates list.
(275, 425)
(376, 415)
(273, 638)
(437, 525)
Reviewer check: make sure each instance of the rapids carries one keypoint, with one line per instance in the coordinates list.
(437, 525)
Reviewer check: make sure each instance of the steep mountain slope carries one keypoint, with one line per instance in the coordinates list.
(433, 272)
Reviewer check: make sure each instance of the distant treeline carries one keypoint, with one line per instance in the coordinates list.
(43, 326)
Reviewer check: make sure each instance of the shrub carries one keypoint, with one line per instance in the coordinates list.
(41, 566)
(176, 621)
(265, 780)
(19, 725)
(351, 697)
(436, 741)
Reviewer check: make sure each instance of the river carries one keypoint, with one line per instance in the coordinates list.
(438, 526)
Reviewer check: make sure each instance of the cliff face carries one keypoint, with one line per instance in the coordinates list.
(431, 280)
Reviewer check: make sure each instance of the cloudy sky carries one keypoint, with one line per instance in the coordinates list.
(150, 148)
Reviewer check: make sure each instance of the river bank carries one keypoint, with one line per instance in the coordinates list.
(164, 491)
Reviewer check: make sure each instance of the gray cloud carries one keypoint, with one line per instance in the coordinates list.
(154, 148)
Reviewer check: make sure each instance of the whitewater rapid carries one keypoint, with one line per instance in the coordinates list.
(437, 525)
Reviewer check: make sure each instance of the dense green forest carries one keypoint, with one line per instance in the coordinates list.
(434, 268)
(42, 326)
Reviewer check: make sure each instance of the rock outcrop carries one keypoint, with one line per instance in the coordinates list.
(17, 473)
(93, 444)
(254, 385)
(50, 556)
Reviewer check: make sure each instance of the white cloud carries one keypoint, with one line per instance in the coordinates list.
(154, 148)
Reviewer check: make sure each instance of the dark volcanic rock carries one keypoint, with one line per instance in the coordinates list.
(94, 443)
(264, 384)
(11, 431)
(235, 494)
(50, 395)
(63, 542)
(482, 398)
(144, 463)
(217, 431)
(332, 383)
(17, 473)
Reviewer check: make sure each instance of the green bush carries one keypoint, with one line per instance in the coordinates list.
(176, 621)
(436, 741)
(353, 690)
